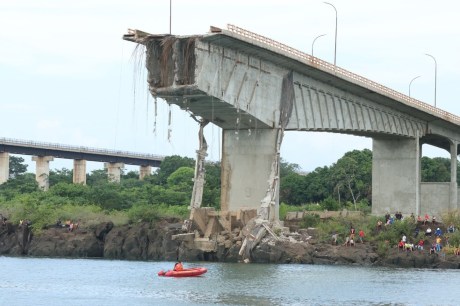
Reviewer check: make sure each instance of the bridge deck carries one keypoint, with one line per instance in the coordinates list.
(16, 146)
(265, 48)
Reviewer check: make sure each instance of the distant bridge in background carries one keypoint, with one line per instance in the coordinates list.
(44, 152)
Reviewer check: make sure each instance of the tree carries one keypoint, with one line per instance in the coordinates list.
(354, 172)
(130, 175)
(181, 179)
(17, 166)
(171, 164)
(345, 174)
(97, 177)
(109, 196)
(292, 189)
(21, 184)
(211, 192)
(288, 168)
(319, 184)
(78, 193)
(60, 176)
(435, 169)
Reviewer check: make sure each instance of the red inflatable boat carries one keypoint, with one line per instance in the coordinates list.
(184, 273)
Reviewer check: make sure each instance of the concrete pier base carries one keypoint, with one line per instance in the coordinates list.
(114, 171)
(79, 171)
(4, 167)
(246, 167)
(395, 176)
(453, 205)
(144, 171)
(42, 170)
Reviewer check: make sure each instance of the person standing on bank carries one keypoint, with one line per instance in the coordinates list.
(361, 235)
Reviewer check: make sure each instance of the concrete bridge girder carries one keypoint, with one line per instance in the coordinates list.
(236, 90)
(321, 106)
(441, 137)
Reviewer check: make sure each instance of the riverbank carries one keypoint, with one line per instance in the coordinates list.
(154, 242)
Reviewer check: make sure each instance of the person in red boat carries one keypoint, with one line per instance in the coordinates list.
(178, 266)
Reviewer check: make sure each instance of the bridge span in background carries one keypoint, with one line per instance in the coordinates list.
(242, 81)
(44, 152)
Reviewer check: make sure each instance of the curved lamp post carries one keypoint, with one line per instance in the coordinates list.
(411, 83)
(313, 44)
(435, 75)
(335, 46)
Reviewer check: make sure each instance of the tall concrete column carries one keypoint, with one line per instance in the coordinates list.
(246, 168)
(114, 171)
(418, 175)
(395, 175)
(79, 171)
(4, 167)
(42, 170)
(144, 171)
(453, 176)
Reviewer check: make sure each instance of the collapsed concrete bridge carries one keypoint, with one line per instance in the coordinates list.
(255, 88)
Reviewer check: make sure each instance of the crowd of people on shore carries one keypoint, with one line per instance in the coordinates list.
(68, 224)
(416, 242)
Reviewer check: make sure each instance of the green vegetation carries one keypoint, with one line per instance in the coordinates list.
(165, 194)
(346, 184)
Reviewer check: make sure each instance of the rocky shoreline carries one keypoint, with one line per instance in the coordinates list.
(144, 241)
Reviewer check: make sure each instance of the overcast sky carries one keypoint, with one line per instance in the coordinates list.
(67, 76)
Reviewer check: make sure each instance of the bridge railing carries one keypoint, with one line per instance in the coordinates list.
(335, 70)
(63, 147)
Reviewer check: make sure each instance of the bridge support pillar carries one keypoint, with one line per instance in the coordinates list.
(396, 176)
(247, 160)
(4, 167)
(42, 170)
(79, 171)
(114, 171)
(144, 171)
(453, 205)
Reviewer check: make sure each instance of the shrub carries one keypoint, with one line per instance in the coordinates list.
(330, 204)
(454, 238)
(336, 225)
(285, 208)
(363, 206)
(383, 247)
(395, 231)
(310, 220)
(143, 212)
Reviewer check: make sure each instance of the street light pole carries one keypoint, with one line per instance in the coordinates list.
(313, 43)
(435, 75)
(411, 83)
(170, 13)
(335, 46)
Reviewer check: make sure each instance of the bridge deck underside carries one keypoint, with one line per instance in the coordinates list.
(221, 113)
(320, 107)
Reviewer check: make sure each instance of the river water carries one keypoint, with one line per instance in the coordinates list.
(69, 282)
